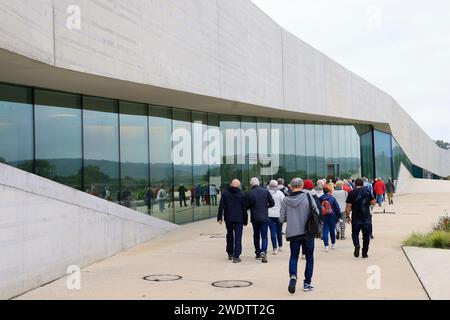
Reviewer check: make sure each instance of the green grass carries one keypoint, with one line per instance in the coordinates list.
(435, 239)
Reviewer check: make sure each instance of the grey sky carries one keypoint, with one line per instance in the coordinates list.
(401, 46)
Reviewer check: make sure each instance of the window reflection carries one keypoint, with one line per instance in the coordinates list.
(16, 127)
(101, 148)
(134, 157)
(59, 137)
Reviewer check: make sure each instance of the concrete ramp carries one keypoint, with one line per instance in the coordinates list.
(46, 227)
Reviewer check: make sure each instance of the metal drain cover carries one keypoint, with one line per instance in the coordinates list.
(230, 284)
(162, 277)
(218, 236)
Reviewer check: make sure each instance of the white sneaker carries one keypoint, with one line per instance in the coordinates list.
(275, 252)
(333, 246)
(327, 248)
(280, 249)
(303, 256)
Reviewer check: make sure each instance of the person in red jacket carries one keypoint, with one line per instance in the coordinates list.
(380, 191)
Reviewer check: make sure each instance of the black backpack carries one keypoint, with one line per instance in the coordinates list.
(313, 224)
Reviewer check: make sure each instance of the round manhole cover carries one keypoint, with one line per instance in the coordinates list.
(162, 277)
(230, 284)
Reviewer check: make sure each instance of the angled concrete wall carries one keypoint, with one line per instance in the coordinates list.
(46, 227)
(226, 50)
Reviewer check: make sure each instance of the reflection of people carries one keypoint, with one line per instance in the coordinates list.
(213, 194)
(161, 198)
(148, 199)
(106, 194)
(198, 194)
(126, 198)
(182, 195)
(93, 191)
(192, 196)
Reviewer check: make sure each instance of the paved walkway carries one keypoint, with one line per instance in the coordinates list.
(200, 259)
(433, 268)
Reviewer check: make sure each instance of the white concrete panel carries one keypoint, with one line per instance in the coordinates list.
(46, 227)
(250, 54)
(27, 28)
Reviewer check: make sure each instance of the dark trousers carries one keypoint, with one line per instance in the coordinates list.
(234, 238)
(260, 235)
(365, 226)
(329, 228)
(276, 229)
(183, 199)
(307, 245)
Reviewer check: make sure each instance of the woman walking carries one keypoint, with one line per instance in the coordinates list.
(275, 225)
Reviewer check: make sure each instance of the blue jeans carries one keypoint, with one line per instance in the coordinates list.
(276, 235)
(308, 250)
(260, 233)
(380, 199)
(364, 225)
(329, 227)
(234, 238)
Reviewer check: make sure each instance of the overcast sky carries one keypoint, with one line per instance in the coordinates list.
(401, 46)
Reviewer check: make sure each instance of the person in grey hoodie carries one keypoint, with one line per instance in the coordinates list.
(295, 210)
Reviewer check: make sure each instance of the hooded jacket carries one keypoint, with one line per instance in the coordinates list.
(295, 211)
(233, 206)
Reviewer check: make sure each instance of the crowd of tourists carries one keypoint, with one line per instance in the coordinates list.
(309, 210)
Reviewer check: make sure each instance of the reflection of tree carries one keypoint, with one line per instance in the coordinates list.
(93, 175)
(2, 160)
(45, 169)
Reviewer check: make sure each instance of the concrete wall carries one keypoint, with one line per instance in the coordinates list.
(224, 49)
(45, 227)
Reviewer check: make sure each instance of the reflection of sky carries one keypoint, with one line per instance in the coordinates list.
(16, 131)
(402, 46)
(101, 136)
(58, 133)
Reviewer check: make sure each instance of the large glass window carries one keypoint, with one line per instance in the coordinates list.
(300, 149)
(311, 150)
(250, 150)
(278, 148)
(59, 137)
(383, 155)
(101, 147)
(328, 150)
(289, 150)
(320, 153)
(343, 155)
(265, 149)
(215, 158)
(16, 127)
(182, 168)
(161, 167)
(134, 167)
(200, 149)
(367, 155)
(232, 149)
(399, 157)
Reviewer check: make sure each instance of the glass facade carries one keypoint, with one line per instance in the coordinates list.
(383, 154)
(172, 163)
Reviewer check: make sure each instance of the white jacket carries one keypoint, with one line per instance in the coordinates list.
(278, 197)
(341, 198)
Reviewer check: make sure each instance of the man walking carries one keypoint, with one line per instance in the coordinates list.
(390, 189)
(296, 209)
(358, 204)
(233, 209)
(259, 200)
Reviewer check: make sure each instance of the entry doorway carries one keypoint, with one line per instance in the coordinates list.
(333, 171)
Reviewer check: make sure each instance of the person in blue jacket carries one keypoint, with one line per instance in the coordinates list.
(233, 209)
(331, 214)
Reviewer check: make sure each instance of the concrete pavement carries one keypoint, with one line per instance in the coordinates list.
(197, 253)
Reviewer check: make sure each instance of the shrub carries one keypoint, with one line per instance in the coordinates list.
(435, 239)
(443, 224)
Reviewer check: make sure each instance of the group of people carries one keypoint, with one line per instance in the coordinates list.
(334, 204)
(206, 194)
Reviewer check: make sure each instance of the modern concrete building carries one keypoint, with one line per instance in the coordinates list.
(91, 92)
